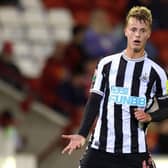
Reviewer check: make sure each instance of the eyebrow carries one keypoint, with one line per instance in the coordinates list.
(134, 27)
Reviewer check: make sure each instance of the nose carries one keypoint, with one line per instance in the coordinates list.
(137, 33)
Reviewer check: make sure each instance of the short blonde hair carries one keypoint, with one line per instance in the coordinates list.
(140, 13)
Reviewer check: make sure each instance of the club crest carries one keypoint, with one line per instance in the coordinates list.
(144, 77)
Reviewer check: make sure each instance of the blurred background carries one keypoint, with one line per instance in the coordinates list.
(48, 53)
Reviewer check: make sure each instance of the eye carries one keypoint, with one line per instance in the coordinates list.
(143, 30)
(133, 29)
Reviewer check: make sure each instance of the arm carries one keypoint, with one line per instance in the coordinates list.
(76, 141)
(162, 98)
(91, 111)
(156, 116)
(160, 90)
(162, 112)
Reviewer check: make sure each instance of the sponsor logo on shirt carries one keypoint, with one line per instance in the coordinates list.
(120, 95)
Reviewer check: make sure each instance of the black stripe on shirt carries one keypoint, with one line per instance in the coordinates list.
(158, 86)
(118, 108)
(135, 92)
(150, 84)
(149, 88)
(104, 129)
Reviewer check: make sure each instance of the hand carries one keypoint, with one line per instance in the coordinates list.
(141, 116)
(76, 142)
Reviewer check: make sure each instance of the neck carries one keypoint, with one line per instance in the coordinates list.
(134, 54)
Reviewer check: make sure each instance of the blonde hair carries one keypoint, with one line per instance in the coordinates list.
(141, 13)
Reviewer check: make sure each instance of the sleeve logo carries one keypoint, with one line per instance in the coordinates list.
(94, 79)
(167, 86)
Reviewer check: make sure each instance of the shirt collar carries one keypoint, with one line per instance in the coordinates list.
(134, 59)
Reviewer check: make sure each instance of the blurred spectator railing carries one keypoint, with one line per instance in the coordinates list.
(39, 108)
(18, 161)
(39, 124)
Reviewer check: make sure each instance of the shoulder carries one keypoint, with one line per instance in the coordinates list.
(157, 68)
(109, 58)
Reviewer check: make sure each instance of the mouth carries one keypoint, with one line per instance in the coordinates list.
(137, 42)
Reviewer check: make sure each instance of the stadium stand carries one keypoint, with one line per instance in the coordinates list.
(33, 27)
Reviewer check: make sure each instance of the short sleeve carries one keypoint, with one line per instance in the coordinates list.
(162, 99)
(162, 86)
(98, 80)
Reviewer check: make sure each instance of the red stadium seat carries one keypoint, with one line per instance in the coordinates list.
(81, 17)
(160, 38)
(116, 8)
(49, 4)
(79, 4)
(163, 58)
(103, 4)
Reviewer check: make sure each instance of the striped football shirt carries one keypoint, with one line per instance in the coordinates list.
(125, 84)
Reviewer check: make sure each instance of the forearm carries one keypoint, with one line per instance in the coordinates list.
(91, 111)
(155, 116)
(159, 115)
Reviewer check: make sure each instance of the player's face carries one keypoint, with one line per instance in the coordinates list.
(137, 33)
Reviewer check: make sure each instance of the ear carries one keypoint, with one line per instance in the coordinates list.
(149, 34)
(125, 32)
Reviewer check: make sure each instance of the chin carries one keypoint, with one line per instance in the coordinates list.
(136, 50)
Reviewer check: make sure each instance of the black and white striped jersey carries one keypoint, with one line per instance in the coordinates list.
(125, 84)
